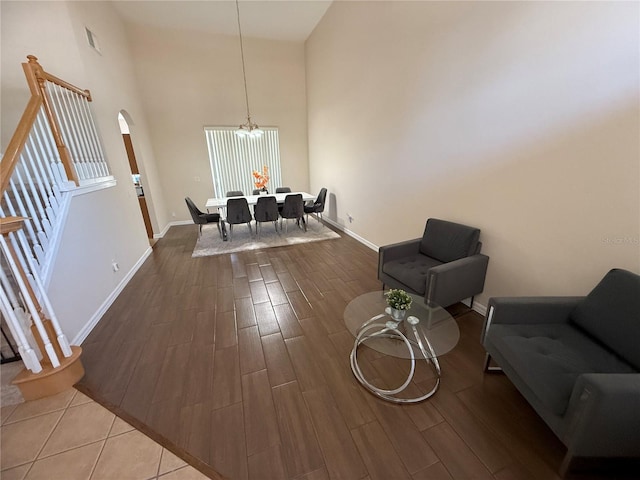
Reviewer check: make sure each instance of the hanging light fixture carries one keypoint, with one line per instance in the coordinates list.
(248, 129)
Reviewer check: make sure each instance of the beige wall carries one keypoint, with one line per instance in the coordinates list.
(521, 118)
(103, 226)
(193, 79)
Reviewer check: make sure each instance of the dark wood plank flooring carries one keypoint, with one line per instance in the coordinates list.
(239, 364)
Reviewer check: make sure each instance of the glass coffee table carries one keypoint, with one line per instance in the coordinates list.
(426, 332)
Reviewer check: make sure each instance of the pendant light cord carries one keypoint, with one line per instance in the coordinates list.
(244, 75)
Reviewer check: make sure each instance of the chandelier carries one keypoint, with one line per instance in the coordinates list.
(248, 129)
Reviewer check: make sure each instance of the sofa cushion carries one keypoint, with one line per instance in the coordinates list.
(411, 271)
(611, 313)
(448, 241)
(550, 357)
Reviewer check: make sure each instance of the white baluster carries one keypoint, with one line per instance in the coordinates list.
(63, 120)
(43, 298)
(8, 288)
(95, 136)
(53, 358)
(82, 133)
(44, 139)
(29, 357)
(55, 164)
(16, 247)
(39, 166)
(36, 193)
(19, 209)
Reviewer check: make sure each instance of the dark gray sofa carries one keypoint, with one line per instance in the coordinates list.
(576, 360)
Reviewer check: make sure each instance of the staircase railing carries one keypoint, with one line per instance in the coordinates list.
(54, 151)
(24, 302)
(38, 167)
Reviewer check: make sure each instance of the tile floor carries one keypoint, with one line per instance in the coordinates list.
(70, 437)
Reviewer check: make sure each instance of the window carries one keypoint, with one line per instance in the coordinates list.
(233, 159)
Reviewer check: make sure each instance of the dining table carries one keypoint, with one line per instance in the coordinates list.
(221, 203)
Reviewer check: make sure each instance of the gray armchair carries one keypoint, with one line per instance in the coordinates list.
(445, 266)
(576, 360)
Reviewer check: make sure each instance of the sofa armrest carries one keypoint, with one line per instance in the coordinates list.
(528, 310)
(461, 278)
(601, 419)
(396, 251)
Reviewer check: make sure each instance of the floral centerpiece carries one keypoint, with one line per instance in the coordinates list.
(261, 179)
(399, 302)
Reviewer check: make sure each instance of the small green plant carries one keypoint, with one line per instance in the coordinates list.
(398, 299)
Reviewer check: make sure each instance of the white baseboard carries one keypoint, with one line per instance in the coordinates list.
(171, 224)
(86, 330)
(362, 240)
(480, 308)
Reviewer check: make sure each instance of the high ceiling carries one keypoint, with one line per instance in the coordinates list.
(271, 19)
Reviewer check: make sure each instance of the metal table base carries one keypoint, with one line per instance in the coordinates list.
(377, 328)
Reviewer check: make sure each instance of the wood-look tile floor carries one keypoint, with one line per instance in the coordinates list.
(239, 364)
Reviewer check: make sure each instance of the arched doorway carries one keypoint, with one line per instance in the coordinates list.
(135, 174)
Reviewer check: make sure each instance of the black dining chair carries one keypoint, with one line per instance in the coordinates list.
(317, 207)
(293, 208)
(238, 212)
(235, 193)
(282, 190)
(256, 191)
(201, 218)
(266, 210)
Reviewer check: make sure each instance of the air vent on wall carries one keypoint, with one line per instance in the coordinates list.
(93, 40)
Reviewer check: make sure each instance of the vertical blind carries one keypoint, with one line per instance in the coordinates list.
(233, 159)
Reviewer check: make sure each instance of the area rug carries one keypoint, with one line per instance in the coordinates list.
(210, 242)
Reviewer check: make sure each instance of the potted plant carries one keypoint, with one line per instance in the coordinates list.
(399, 302)
(261, 179)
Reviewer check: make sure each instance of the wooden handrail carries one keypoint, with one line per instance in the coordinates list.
(10, 224)
(16, 144)
(68, 86)
(39, 73)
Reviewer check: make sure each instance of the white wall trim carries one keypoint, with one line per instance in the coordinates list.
(171, 224)
(362, 240)
(98, 184)
(480, 308)
(86, 330)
